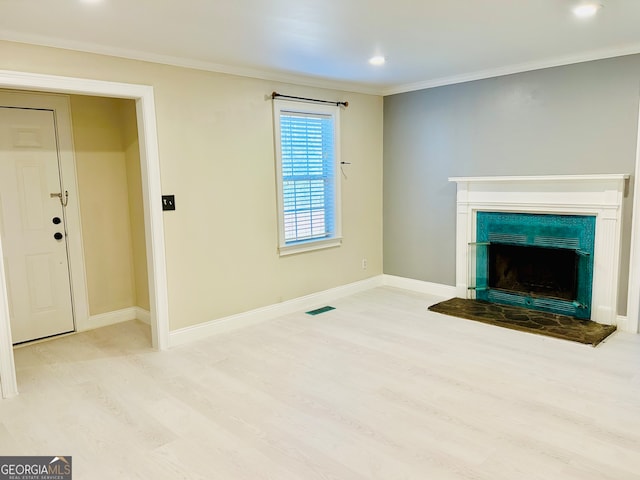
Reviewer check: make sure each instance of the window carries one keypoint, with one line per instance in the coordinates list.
(307, 160)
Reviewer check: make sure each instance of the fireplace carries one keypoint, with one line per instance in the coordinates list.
(545, 242)
(541, 261)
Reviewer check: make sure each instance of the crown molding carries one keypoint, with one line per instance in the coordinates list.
(310, 81)
(183, 62)
(511, 69)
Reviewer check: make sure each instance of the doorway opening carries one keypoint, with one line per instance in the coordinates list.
(151, 193)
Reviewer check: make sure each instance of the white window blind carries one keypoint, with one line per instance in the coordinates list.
(307, 165)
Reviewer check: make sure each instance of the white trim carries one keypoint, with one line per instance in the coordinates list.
(143, 315)
(109, 318)
(259, 315)
(435, 289)
(154, 221)
(117, 316)
(301, 79)
(7, 367)
(151, 189)
(511, 69)
(309, 246)
(310, 81)
(622, 323)
(633, 297)
(542, 178)
(598, 195)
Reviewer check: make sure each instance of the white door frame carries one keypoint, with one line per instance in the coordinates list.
(151, 194)
(633, 298)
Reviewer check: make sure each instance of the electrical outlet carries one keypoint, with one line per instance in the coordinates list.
(364, 264)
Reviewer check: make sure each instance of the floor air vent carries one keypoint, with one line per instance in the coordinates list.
(320, 310)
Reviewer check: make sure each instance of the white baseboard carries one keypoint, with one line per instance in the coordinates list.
(437, 289)
(111, 318)
(143, 315)
(252, 317)
(623, 324)
(232, 322)
(108, 318)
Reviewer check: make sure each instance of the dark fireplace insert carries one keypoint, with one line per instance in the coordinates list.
(536, 271)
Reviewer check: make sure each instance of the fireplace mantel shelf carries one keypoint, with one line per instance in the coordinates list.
(541, 178)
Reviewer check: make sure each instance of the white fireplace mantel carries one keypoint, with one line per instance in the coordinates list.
(598, 195)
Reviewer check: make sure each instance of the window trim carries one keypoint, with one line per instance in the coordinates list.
(334, 240)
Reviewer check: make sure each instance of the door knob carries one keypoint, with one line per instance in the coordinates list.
(56, 220)
(57, 236)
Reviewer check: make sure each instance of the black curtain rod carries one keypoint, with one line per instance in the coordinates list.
(276, 95)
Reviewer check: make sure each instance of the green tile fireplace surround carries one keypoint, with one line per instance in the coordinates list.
(539, 261)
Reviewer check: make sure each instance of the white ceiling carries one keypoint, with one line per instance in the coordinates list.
(329, 42)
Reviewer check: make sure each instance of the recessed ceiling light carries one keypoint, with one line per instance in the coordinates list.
(377, 60)
(586, 10)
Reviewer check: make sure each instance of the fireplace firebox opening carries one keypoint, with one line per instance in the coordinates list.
(536, 271)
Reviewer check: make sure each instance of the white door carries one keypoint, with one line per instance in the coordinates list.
(32, 225)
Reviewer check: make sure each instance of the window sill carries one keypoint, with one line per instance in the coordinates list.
(309, 246)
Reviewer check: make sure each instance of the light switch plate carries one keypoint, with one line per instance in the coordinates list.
(168, 202)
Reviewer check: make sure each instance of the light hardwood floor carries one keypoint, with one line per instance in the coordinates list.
(379, 388)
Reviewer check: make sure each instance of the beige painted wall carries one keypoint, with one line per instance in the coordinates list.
(136, 210)
(103, 162)
(217, 156)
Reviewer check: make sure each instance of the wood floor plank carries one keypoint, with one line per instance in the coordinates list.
(379, 388)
